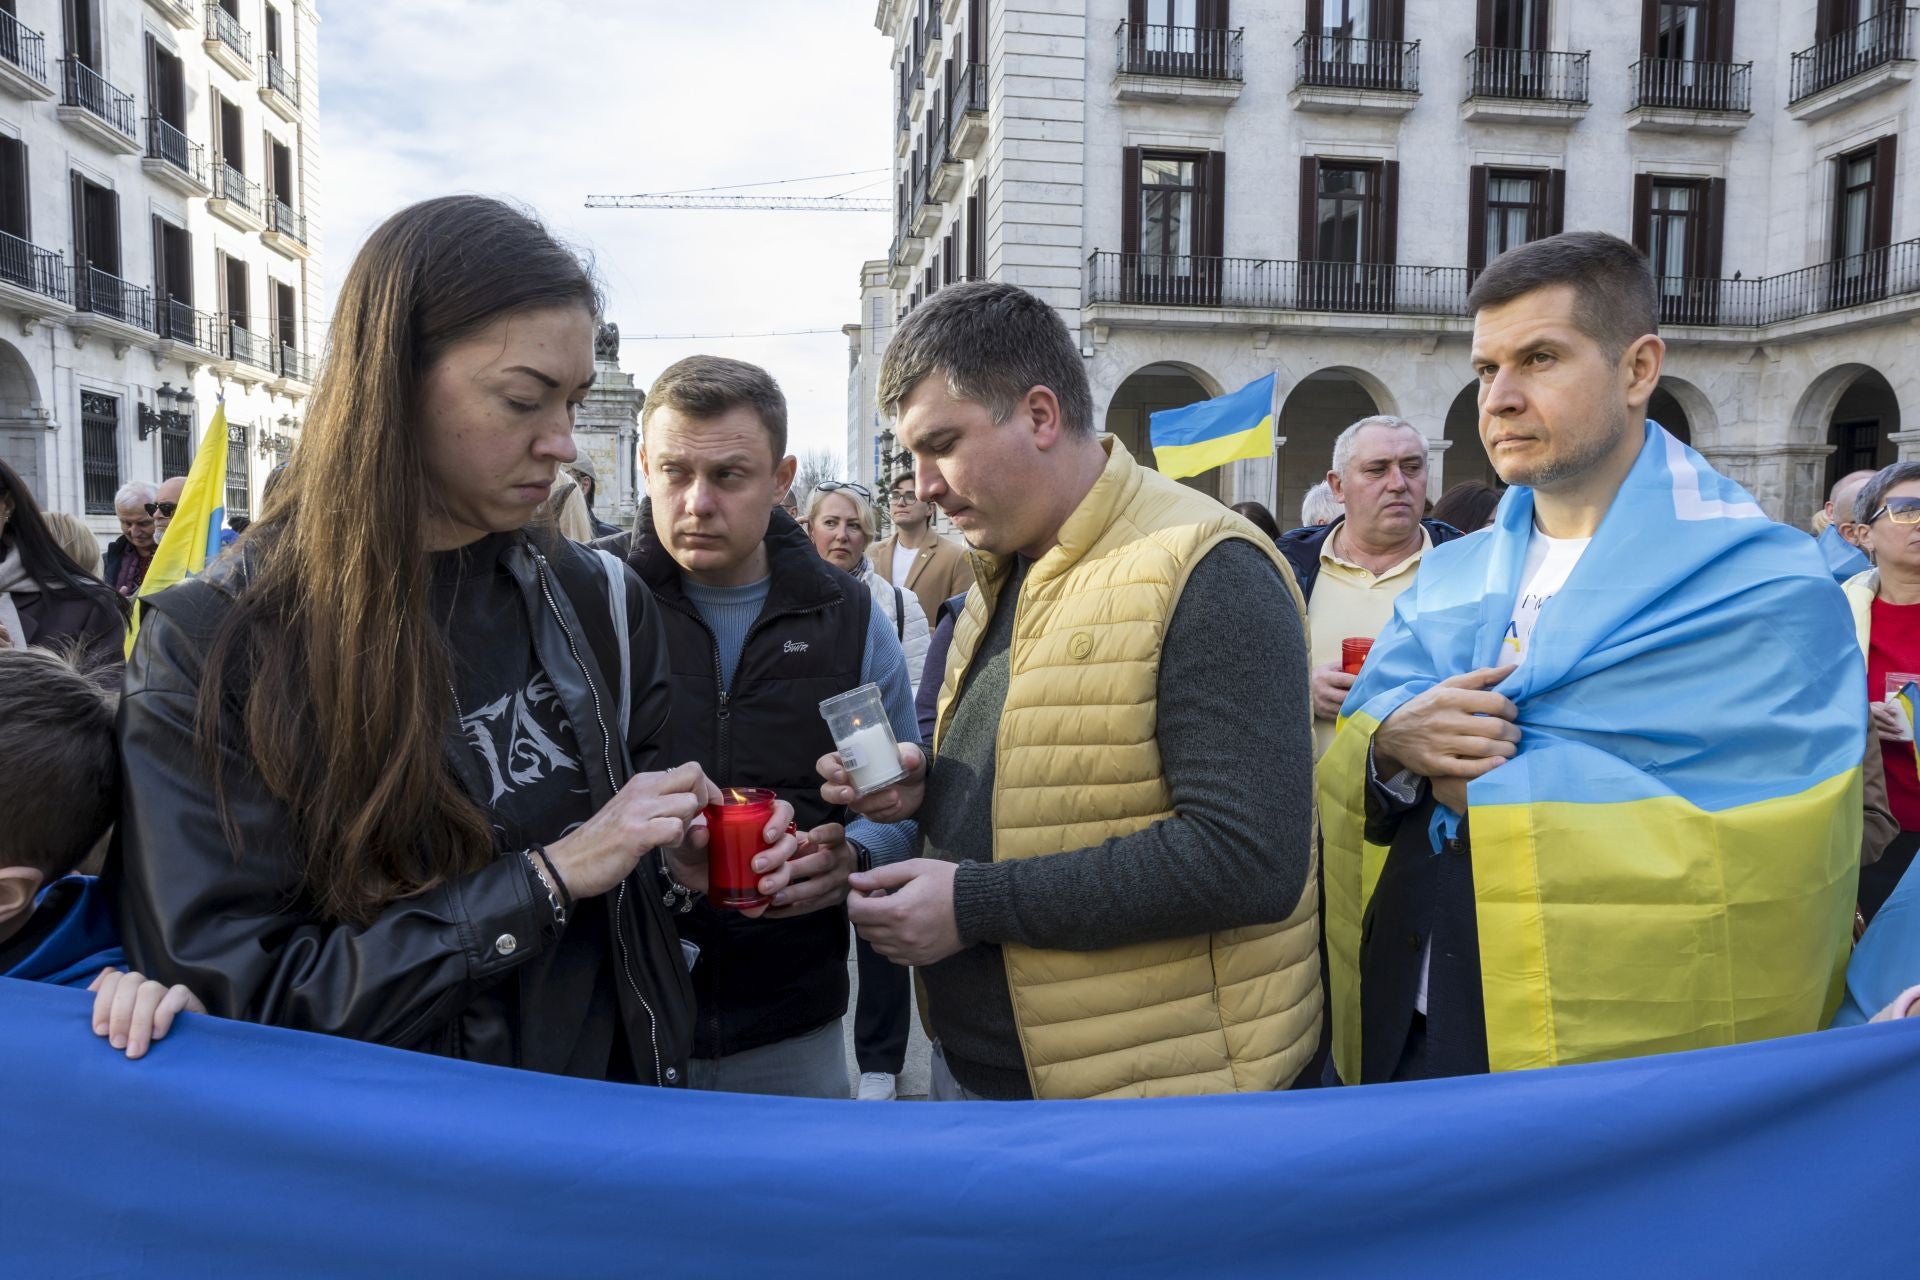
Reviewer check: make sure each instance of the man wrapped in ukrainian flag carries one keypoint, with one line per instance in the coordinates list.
(1596, 792)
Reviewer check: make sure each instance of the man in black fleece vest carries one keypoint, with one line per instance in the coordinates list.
(759, 630)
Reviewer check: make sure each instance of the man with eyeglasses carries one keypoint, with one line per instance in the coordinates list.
(165, 502)
(915, 558)
(127, 557)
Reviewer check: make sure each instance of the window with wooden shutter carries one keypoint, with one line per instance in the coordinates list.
(976, 235)
(15, 207)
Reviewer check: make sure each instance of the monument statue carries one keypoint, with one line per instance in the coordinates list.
(606, 343)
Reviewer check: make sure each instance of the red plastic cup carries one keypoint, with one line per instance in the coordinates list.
(736, 835)
(1353, 653)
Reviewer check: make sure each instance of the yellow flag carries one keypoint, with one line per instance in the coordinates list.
(193, 538)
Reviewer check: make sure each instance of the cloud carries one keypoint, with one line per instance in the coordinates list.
(546, 103)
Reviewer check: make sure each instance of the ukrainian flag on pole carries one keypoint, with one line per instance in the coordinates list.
(1200, 437)
(193, 539)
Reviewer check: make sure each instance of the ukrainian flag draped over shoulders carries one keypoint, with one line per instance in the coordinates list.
(1670, 861)
(1212, 433)
(192, 539)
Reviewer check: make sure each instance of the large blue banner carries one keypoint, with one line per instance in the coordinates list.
(234, 1150)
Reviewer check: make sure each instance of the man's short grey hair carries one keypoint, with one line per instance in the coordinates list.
(136, 494)
(993, 343)
(1875, 491)
(1348, 440)
(1319, 506)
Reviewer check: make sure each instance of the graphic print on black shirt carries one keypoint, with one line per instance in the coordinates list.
(509, 713)
(518, 738)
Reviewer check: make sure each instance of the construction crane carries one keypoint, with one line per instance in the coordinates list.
(785, 204)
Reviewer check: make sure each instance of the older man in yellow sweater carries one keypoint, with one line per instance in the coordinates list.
(1116, 894)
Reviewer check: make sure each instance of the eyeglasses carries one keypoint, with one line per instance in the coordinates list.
(162, 509)
(828, 486)
(1899, 510)
(904, 495)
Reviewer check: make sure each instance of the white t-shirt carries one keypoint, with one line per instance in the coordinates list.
(903, 558)
(1549, 563)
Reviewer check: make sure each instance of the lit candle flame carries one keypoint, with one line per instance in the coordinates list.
(736, 796)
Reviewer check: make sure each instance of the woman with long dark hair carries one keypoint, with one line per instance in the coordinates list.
(48, 601)
(392, 768)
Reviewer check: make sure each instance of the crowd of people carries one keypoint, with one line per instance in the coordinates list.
(1190, 803)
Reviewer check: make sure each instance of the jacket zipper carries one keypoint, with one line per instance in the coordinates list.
(606, 758)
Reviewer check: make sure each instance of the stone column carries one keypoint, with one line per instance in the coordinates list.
(1908, 444)
(607, 431)
(1437, 467)
(1787, 480)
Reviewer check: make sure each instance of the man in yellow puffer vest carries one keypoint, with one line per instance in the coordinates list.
(1116, 897)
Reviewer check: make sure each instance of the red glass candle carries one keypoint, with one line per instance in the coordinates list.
(736, 834)
(1353, 653)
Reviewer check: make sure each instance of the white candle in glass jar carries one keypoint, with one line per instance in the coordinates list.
(871, 756)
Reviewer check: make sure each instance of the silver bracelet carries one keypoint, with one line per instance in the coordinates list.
(546, 882)
(676, 897)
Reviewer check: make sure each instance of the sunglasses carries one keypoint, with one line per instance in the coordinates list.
(1899, 510)
(828, 486)
(162, 509)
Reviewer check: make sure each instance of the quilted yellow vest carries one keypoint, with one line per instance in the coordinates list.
(1077, 763)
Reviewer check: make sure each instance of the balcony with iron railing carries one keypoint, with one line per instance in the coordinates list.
(1856, 63)
(246, 347)
(236, 199)
(177, 322)
(101, 294)
(175, 159)
(286, 229)
(1155, 63)
(967, 113)
(1121, 281)
(930, 54)
(279, 88)
(227, 42)
(23, 60)
(1267, 284)
(33, 279)
(94, 107)
(925, 212)
(1526, 86)
(1673, 95)
(1347, 75)
(295, 365)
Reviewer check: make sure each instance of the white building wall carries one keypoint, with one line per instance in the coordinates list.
(1759, 400)
(49, 356)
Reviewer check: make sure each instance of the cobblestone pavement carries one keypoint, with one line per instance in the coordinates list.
(913, 1080)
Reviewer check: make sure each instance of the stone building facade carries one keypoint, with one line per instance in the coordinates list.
(1214, 190)
(159, 240)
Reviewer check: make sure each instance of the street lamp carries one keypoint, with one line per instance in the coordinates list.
(270, 442)
(175, 412)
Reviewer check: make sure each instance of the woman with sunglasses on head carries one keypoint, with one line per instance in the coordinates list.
(47, 601)
(1886, 614)
(394, 769)
(839, 519)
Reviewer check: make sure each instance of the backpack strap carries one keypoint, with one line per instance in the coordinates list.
(617, 606)
(900, 614)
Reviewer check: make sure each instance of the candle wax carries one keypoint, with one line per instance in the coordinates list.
(871, 756)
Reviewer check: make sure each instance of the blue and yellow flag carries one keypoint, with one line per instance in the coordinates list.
(1843, 558)
(1670, 860)
(193, 538)
(1200, 437)
(1908, 698)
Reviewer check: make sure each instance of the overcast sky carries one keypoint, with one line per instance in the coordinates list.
(547, 103)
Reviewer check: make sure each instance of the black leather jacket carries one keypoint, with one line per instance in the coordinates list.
(427, 973)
